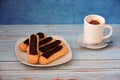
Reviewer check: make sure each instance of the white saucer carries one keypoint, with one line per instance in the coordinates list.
(81, 42)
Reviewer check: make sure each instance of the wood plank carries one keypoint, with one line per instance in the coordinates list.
(72, 65)
(44, 28)
(58, 75)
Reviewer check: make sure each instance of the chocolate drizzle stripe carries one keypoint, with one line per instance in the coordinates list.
(52, 51)
(26, 42)
(41, 35)
(44, 41)
(33, 44)
(49, 46)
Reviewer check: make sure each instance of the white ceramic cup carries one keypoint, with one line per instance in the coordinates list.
(94, 34)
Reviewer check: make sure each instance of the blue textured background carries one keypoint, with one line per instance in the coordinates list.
(57, 11)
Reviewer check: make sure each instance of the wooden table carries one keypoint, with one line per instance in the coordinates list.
(86, 64)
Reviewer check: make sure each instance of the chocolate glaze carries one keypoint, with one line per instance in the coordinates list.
(41, 35)
(49, 53)
(49, 46)
(44, 41)
(26, 42)
(33, 44)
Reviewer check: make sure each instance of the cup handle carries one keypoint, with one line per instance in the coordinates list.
(110, 33)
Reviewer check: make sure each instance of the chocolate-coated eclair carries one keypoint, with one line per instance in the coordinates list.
(41, 35)
(53, 53)
(24, 45)
(45, 41)
(49, 46)
(33, 55)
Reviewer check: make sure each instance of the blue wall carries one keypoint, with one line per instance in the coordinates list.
(57, 11)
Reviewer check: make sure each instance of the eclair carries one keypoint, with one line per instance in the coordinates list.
(49, 46)
(45, 41)
(33, 54)
(52, 52)
(23, 46)
(41, 35)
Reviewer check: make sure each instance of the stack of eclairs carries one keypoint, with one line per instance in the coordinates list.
(43, 49)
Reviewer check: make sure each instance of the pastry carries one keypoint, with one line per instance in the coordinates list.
(24, 45)
(52, 52)
(45, 41)
(33, 55)
(41, 35)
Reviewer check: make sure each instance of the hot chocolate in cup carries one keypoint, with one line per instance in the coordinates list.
(94, 28)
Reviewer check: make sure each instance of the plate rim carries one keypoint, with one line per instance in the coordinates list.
(47, 65)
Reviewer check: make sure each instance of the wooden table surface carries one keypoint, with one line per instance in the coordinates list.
(86, 64)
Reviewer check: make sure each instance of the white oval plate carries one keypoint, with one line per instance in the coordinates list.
(22, 56)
